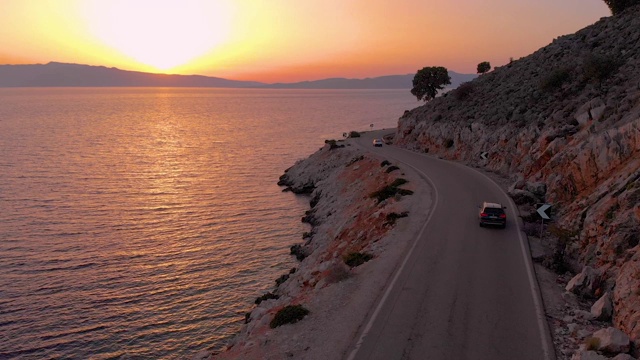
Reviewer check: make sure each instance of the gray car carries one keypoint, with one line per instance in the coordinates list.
(492, 214)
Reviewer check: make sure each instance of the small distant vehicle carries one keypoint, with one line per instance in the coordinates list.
(492, 214)
(377, 142)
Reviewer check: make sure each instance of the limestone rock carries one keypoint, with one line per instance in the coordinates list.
(585, 282)
(588, 355)
(612, 340)
(623, 357)
(603, 308)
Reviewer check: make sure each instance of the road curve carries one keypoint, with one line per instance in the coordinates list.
(463, 292)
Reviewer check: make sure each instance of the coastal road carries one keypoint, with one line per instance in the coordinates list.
(463, 292)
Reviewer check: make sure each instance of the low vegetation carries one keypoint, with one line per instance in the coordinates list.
(392, 217)
(592, 343)
(555, 79)
(266, 296)
(597, 68)
(333, 144)
(355, 160)
(354, 134)
(463, 91)
(285, 277)
(288, 315)
(356, 259)
(618, 6)
(391, 190)
(392, 168)
(558, 261)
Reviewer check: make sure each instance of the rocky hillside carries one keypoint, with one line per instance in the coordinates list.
(564, 125)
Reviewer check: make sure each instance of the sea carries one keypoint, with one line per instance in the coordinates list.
(142, 223)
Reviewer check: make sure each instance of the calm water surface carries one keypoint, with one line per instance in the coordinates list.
(142, 223)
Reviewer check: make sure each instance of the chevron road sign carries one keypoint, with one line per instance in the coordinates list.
(483, 155)
(541, 210)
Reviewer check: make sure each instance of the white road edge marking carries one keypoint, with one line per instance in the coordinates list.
(375, 314)
(545, 334)
(543, 326)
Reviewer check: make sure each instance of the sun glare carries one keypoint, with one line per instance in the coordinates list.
(160, 33)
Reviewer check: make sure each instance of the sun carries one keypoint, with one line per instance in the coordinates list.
(160, 33)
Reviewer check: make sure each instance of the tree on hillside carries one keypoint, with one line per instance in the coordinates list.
(617, 6)
(428, 81)
(483, 67)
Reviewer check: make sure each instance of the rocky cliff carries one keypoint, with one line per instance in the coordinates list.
(564, 124)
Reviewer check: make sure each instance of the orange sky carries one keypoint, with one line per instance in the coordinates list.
(285, 40)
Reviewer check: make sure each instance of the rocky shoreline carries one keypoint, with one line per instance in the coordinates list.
(364, 212)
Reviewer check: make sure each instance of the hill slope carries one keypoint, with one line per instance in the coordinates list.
(60, 74)
(564, 123)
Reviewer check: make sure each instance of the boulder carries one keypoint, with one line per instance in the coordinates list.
(623, 357)
(585, 283)
(521, 197)
(612, 340)
(538, 189)
(603, 308)
(588, 355)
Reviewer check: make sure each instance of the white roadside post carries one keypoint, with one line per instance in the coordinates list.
(543, 216)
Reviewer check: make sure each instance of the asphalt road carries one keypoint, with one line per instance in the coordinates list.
(463, 292)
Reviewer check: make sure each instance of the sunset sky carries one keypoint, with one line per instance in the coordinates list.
(285, 40)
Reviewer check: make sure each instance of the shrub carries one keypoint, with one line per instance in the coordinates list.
(598, 67)
(266, 296)
(355, 160)
(448, 143)
(617, 6)
(356, 259)
(592, 343)
(288, 315)
(282, 279)
(463, 91)
(531, 229)
(385, 163)
(555, 79)
(611, 213)
(333, 144)
(392, 168)
(391, 190)
(557, 261)
(336, 273)
(354, 134)
(392, 217)
(298, 251)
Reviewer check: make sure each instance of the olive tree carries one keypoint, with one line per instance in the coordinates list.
(617, 6)
(428, 81)
(483, 67)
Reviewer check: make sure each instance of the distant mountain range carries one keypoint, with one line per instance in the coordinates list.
(56, 74)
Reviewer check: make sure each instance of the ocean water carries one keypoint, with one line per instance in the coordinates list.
(141, 223)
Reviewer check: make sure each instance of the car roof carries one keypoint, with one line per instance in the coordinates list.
(491, 205)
